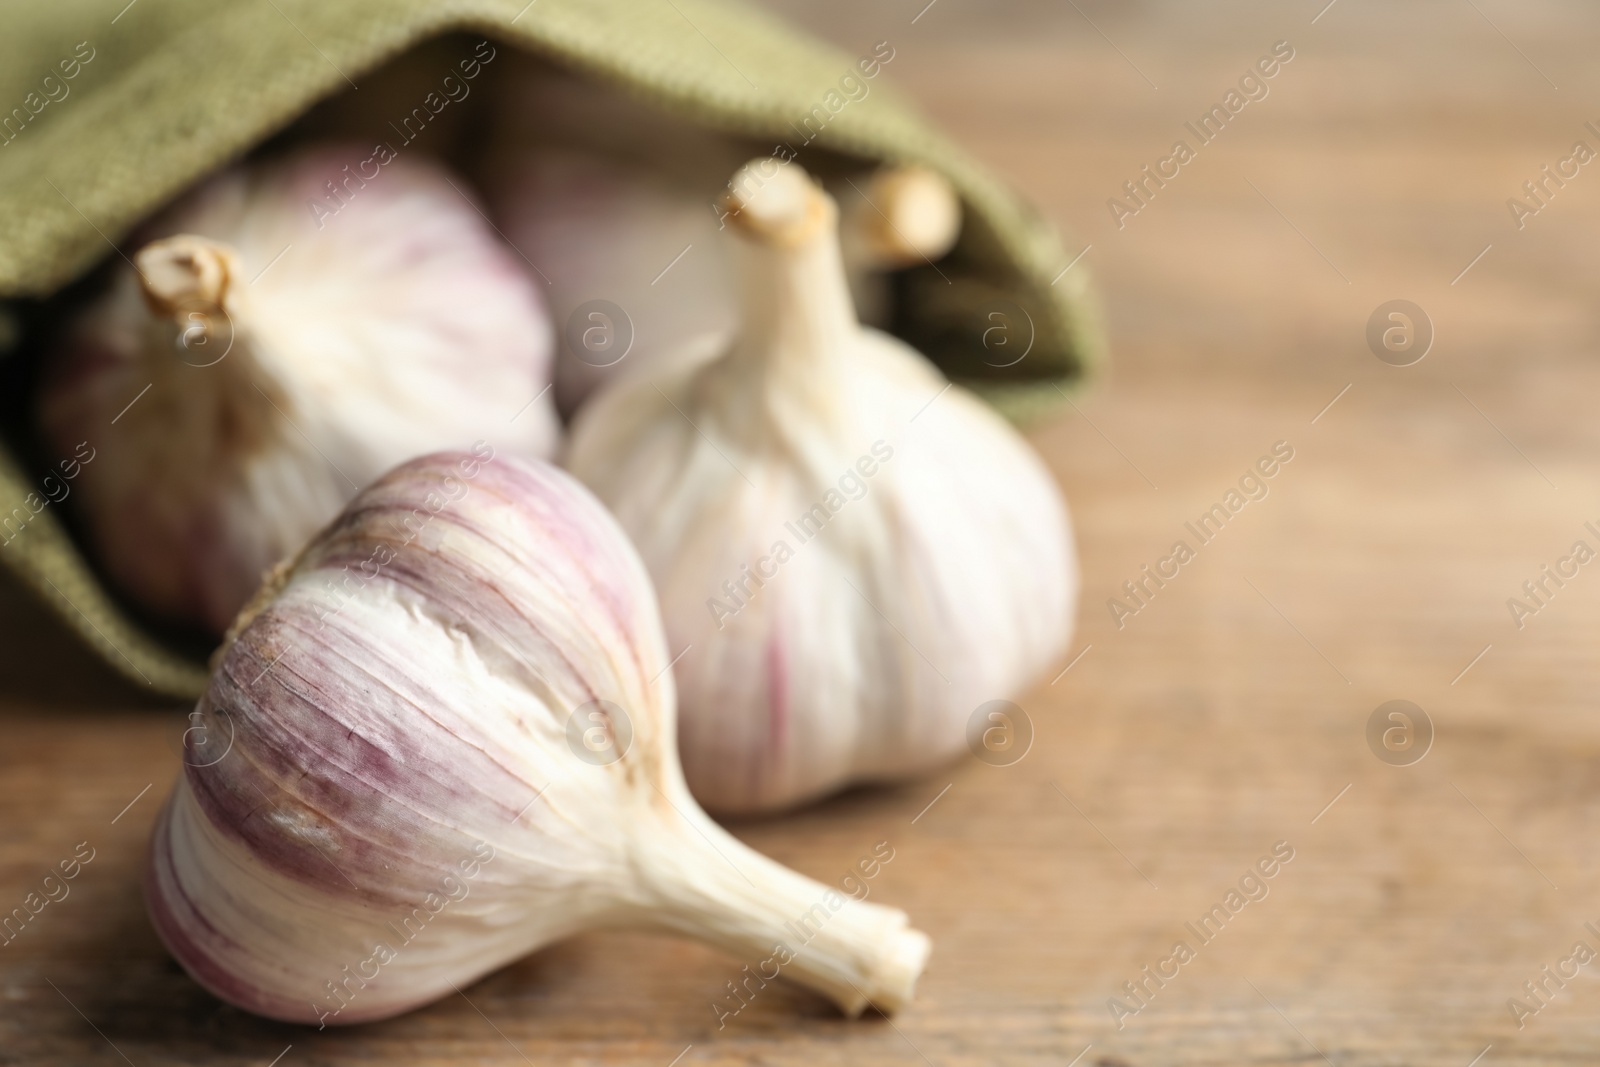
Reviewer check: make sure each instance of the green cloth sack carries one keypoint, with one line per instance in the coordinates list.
(105, 116)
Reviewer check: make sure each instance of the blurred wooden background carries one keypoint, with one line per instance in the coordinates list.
(1225, 716)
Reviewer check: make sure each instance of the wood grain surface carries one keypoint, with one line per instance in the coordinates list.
(1229, 713)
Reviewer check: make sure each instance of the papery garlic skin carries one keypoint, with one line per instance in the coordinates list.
(851, 643)
(398, 702)
(301, 329)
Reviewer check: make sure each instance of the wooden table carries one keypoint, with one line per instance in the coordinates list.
(1226, 715)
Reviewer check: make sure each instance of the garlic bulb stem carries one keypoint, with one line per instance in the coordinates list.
(903, 217)
(798, 313)
(778, 922)
(187, 273)
(199, 285)
(214, 387)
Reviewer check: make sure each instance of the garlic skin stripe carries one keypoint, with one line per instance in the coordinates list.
(854, 583)
(292, 356)
(431, 647)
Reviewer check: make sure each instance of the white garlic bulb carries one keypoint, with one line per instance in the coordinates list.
(310, 323)
(635, 262)
(853, 553)
(447, 738)
(617, 206)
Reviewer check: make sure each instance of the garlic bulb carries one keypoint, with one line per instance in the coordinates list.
(854, 553)
(616, 204)
(635, 262)
(309, 324)
(450, 740)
